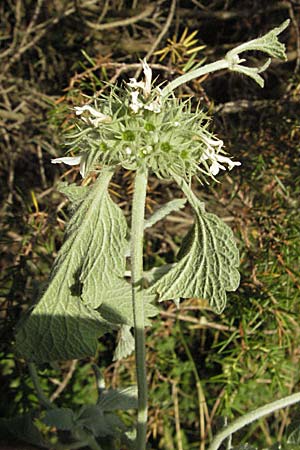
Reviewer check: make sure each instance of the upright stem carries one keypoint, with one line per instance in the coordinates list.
(137, 236)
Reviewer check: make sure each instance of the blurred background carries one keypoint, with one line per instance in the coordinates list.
(203, 369)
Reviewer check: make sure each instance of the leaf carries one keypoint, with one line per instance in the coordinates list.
(268, 44)
(76, 194)
(294, 434)
(125, 344)
(60, 418)
(156, 273)
(114, 399)
(253, 72)
(64, 323)
(162, 212)
(208, 264)
(129, 439)
(23, 428)
(117, 305)
(100, 424)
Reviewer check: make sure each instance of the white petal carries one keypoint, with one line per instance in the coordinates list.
(226, 160)
(215, 142)
(211, 143)
(234, 163)
(100, 117)
(135, 105)
(80, 109)
(215, 168)
(69, 160)
(136, 84)
(83, 166)
(98, 120)
(154, 106)
(148, 78)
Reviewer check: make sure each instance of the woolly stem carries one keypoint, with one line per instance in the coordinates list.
(137, 236)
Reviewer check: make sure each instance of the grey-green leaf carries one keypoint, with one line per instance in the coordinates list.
(64, 323)
(268, 44)
(100, 424)
(294, 434)
(117, 305)
(60, 418)
(115, 399)
(165, 210)
(125, 345)
(22, 428)
(208, 266)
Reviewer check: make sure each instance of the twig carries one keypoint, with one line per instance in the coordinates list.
(41, 165)
(121, 23)
(199, 322)
(160, 36)
(65, 381)
(206, 13)
(177, 417)
(104, 10)
(40, 30)
(296, 27)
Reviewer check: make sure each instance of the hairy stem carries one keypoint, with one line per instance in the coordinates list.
(43, 399)
(251, 417)
(208, 68)
(137, 236)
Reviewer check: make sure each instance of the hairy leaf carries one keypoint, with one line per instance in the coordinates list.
(294, 434)
(91, 262)
(22, 428)
(125, 344)
(60, 418)
(208, 264)
(163, 211)
(114, 399)
(100, 424)
(117, 305)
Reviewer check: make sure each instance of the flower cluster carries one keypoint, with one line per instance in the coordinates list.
(137, 126)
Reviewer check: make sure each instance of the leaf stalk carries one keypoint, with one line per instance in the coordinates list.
(42, 398)
(257, 414)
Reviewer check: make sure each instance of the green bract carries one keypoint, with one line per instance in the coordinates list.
(170, 140)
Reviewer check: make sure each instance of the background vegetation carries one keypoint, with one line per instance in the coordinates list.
(203, 369)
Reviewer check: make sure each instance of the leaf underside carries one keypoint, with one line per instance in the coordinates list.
(87, 295)
(208, 262)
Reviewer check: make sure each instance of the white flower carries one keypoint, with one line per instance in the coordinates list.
(144, 85)
(148, 78)
(72, 161)
(212, 143)
(226, 160)
(135, 104)
(154, 106)
(135, 84)
(98, 116)
(216, 161)
(215, 158)
(215, 168)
